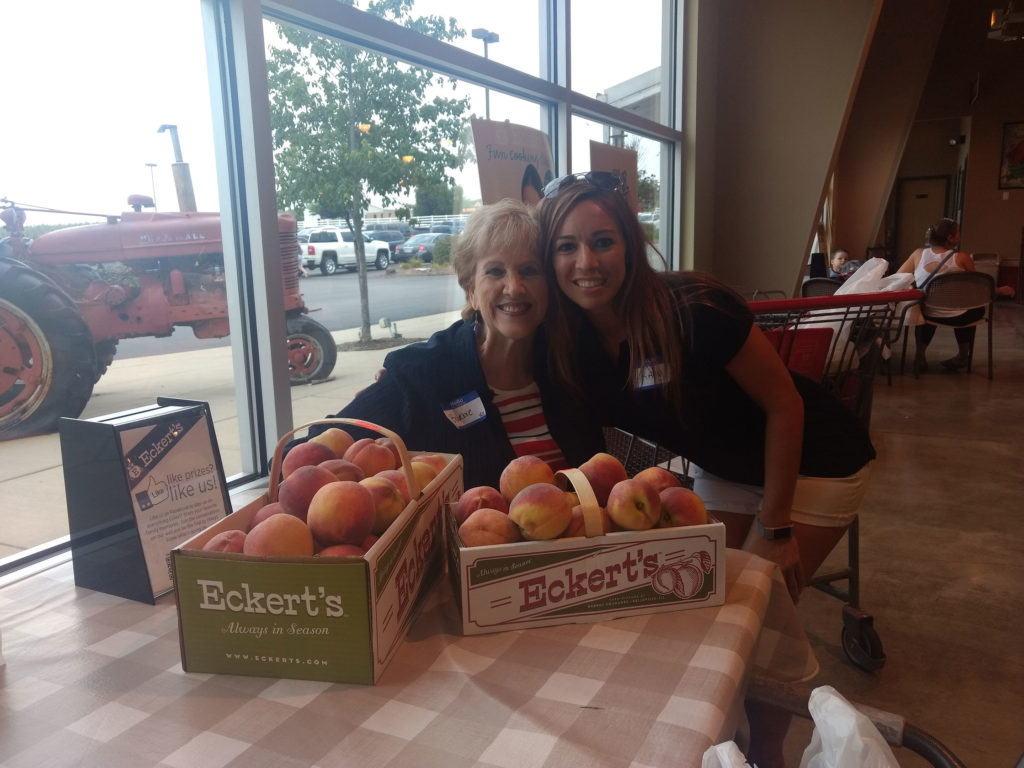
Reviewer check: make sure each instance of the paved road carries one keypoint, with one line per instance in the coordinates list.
(334, 300)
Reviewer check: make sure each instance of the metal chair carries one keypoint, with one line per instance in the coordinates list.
(819, 286)
(962, 291)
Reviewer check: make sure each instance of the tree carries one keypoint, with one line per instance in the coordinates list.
(349, 123)
(436, 199)
(648, 191)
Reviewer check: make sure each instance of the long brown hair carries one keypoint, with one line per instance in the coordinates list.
(643, 302)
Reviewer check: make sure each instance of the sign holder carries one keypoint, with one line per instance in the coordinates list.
(138, 483)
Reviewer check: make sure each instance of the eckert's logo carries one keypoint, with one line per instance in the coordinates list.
(311, 601)
(410, 570)
(682, 575)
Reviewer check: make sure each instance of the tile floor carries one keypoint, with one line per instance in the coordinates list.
(942, 557)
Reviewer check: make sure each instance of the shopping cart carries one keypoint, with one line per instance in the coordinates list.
(839, 341)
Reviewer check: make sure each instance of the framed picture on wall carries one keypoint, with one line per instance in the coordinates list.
(1011, 164)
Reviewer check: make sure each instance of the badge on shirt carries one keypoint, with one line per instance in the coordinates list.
(465, 411)
(652, 374)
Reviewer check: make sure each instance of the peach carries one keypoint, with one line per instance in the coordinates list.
(477, 498)
(370, 457)
(226, 541)
(343, 469)
(295, 493)
(341, 512)
(602, 471)
(341, 550)
(423, 473)
(541, 511)
(521, 472)
(397, 477)
(388, 443)
(273, 508)
(338, 440)
(304, 455)
(368, 542)
(634, 505)
(681, 506)
(577, 527)
(279, 536)
(485, 527)
(388, 501)
(658, 478)
(436, 460)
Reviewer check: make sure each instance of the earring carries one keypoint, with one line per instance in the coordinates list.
(477, 317)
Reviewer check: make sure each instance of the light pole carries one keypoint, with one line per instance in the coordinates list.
(488, 37)
(152, 182)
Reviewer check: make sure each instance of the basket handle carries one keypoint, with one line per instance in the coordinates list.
(275, 467)
(592, 522)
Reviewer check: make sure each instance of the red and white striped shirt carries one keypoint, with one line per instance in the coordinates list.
(527, 429)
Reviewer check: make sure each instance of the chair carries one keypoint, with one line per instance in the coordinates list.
(819, 286)
(963, 291)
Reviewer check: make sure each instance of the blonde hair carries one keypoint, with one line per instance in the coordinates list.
(508, 225)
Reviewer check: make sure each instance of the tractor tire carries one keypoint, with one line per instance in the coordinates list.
(47, 356)
(312, 352)
(105, 351)
(328, 265)
(383, 260)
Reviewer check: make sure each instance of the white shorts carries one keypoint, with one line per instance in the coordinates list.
(828, 502)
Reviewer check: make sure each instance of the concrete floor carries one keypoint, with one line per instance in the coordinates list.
(942, 557)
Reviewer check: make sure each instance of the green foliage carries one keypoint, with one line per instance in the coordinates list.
(412, 263)
(443, 251)
(648, 192)
(434, 199)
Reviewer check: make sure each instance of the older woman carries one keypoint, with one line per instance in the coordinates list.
(477, 388)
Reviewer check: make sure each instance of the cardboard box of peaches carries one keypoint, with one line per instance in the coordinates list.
(317, 579)
(580, 545)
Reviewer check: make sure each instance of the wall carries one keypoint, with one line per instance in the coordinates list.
(895, 74)
(786, 72)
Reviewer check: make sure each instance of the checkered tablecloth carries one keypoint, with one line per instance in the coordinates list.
(95, 680)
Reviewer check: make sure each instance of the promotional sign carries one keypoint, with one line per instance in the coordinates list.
(513, 161)
(137, 483)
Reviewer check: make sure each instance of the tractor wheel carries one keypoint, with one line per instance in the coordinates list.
(382, 260)
(328, 265)
(105, 351)
(312, 351)
(47, 357)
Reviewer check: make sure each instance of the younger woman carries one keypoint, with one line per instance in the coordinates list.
(677, 358)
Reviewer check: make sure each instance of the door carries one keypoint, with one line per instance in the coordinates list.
(921, 203)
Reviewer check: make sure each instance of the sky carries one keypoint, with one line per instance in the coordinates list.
(85, 98)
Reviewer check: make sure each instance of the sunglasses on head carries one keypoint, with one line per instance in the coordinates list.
(606, 181)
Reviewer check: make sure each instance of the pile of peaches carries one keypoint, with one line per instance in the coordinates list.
(337, 496)
(528, 505)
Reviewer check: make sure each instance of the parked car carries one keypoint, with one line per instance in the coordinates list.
(373, 225)
(419, 247)
(330, 247)
(390, 236)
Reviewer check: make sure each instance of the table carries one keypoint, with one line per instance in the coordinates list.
(96, 680)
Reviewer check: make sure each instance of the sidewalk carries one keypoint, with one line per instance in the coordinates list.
(31, 476)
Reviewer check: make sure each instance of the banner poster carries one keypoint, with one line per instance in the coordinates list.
(604, 157)
(513, 161)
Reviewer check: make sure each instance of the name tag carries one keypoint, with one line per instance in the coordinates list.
(465, 411)
(652, 374)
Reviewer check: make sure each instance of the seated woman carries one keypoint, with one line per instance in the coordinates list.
(939, 256)
(478, 387)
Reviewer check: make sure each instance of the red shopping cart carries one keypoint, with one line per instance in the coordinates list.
(840, 341)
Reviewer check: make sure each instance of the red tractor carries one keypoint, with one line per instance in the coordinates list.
(69, 296)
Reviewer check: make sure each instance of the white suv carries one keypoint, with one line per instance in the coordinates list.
(330, 247)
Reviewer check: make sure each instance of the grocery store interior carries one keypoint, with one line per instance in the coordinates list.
(774, 129)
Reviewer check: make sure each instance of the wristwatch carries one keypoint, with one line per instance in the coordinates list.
(781, 532)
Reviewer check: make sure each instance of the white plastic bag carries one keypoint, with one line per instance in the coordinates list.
(869, 278)
(843, 737)
(724, 755)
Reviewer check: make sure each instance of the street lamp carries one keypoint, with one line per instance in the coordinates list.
(488, 37)
(152, 181)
